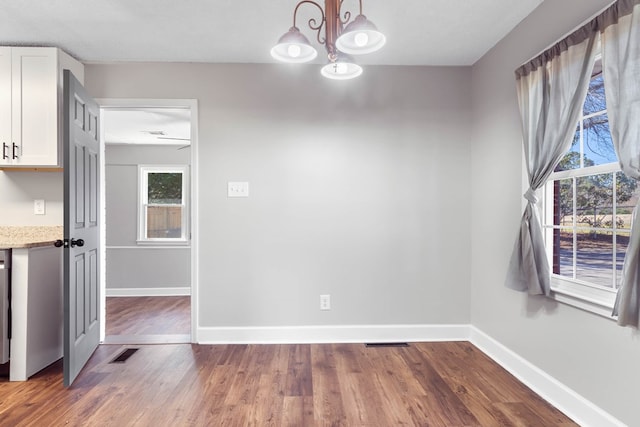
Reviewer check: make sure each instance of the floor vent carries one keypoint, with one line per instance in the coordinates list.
(387, 344)
(122, 357)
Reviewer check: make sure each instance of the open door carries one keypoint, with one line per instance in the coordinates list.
(81, 227)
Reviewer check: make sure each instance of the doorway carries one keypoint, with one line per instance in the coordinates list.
(149, 253)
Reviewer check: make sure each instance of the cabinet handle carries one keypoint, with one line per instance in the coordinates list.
(4, 151)
(15, 147)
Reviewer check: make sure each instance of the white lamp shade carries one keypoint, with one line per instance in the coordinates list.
(294, 47)
(360, 36)
(343, 68)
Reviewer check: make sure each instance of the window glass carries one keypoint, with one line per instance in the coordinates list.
(164, 222)
(589, 204)
(594, 257)
(563, 252)
(598, 146)
(571, 160)
(595, 100)
(164, 187)
(594, 200)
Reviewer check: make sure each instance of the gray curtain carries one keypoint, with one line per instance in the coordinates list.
(620, 25)
(551, 90)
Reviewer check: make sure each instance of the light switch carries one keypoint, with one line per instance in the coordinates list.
(238, 189)
(38, 207)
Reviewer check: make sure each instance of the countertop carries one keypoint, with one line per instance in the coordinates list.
(19, 237)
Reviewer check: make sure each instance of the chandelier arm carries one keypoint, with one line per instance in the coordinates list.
(347, 17)
(313, 23)
(347, 14)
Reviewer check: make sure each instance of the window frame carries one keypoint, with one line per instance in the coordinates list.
(143, 174)
(575, 292)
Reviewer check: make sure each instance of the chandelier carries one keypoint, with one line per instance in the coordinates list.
(341, 37)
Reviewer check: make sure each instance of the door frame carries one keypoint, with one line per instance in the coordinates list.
(192, 104)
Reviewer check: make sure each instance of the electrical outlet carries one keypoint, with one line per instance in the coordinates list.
(325, 302)
(38, 207)
(238, 189)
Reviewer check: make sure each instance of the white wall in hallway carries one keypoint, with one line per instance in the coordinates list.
(129, 265)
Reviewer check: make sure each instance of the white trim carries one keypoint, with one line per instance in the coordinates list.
(148, 292)
(331, 334)
(180, 246)
(102, 266)
(193, 194)
(143, 203)
(584, 296)
(584, 171)
(576, 407)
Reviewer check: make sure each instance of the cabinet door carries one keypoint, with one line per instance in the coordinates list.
(5, 105)
(35, 106)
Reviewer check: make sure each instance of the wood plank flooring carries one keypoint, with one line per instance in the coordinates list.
(426, 384)
(148, 320)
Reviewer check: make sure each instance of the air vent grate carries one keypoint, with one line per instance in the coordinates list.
(387, 344)
(122, 357)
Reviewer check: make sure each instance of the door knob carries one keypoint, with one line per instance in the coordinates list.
(75, 242)
(58, 243)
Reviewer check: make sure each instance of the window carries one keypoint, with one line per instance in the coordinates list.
(587, 210)
(163, 204)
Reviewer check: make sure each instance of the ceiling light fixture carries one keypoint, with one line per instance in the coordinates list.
(340, 38)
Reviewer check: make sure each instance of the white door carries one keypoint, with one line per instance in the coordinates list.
(81, 227)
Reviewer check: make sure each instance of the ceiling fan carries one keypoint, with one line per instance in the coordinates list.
(159, 134)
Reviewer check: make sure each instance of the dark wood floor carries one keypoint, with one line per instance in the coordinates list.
(148, 320)
(425, 384)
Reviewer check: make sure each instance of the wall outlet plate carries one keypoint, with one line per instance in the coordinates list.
(38, 207)
(325, 302)
(238, 189)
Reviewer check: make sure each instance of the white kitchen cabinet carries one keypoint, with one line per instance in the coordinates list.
(31, 105)
(5, 105)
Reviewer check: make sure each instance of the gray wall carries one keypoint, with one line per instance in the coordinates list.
(18, 190)
(359, 189)
(130, 265)
(588, 353)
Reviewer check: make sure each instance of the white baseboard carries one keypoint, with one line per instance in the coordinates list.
(147, 292)
(576, 407)
(332, 334)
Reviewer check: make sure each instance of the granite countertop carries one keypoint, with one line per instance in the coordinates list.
(20, 237)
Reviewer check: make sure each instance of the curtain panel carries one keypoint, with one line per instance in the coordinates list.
(620, 26)
(551, 90)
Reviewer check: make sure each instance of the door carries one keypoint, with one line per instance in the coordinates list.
(81, 227)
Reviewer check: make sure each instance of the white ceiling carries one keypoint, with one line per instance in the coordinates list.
(157, 126)
(419, 32)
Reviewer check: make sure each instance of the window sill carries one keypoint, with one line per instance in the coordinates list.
(589, 298)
